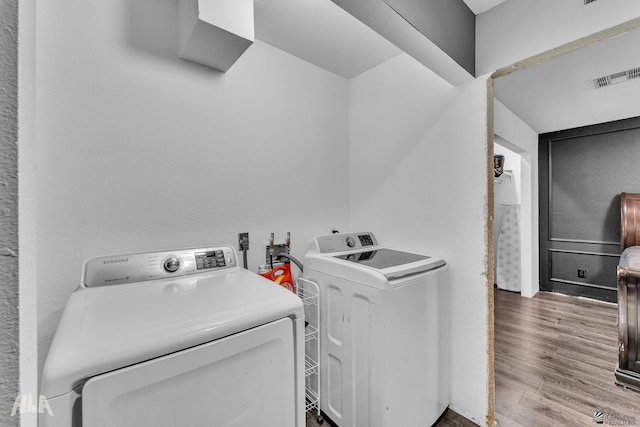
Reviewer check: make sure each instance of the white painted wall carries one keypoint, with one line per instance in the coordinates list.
(418, 180)
(519, 137)
(137, 150)
(28, 239)
(518, 29)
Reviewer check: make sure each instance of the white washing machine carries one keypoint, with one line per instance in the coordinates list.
(384, 332)
(176, 338)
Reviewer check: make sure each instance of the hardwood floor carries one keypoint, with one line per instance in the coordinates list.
(555, 358)
(453, 419)
(450, 419)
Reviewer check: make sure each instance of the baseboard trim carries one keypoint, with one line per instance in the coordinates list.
(628, 379)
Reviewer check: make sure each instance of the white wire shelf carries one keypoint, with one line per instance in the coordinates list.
(311, 399)
(310, 365)
(309, 292)
(308, 296)
(311, 333)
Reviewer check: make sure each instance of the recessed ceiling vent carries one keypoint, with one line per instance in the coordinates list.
(633, 73)
(588, 1)
(620, 77)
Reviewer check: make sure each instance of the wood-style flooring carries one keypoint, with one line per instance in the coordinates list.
(449, 419)
(555, 358)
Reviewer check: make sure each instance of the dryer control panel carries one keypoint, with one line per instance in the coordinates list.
(345, 242)
(133, 268)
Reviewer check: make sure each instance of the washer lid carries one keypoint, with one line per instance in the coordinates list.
(107, 328)
(383, 258)
(393, 263)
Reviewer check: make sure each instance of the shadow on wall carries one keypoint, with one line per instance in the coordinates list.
(395, 118)
(46, 330)
(153, 30)
(613, 214)
(153, 27)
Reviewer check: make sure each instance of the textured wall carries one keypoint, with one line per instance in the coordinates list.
(8, 211)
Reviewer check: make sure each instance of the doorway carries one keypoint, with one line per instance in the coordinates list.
(524, 97)
(507, 227)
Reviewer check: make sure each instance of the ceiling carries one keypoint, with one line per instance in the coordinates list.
(322, 33)
(555, 95)
(479, 6)
(560, 94)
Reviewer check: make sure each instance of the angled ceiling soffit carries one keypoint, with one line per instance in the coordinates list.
(396, 20)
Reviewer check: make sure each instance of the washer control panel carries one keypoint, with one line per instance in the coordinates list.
(210, 259)
(345, 242)
(133, 268)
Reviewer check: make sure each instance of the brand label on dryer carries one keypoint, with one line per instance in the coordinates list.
(115, 261)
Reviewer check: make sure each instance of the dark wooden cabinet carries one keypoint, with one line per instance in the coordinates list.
(628, 371)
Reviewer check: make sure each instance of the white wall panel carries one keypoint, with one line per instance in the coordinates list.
(418, 161)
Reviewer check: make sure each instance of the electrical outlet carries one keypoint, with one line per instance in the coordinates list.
(582, 274)
(243, 242)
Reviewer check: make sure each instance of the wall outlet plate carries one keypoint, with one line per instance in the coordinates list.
(243, 242)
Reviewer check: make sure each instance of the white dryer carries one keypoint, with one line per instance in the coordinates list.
(176, 338)
(384, 332)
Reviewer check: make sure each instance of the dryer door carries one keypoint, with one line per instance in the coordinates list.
(241, 380)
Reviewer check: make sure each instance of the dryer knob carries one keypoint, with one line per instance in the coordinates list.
(172, 264)
(351, 242)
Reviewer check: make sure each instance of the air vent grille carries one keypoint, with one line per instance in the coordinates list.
(615, 78)
(602, 81)
(633, 73)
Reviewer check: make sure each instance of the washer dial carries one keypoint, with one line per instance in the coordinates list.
(351, 242)
(171, 264)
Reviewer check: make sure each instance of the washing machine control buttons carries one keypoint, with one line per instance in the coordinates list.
(211, 259)
(351, 242)
(171, 264)
(365, 240)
